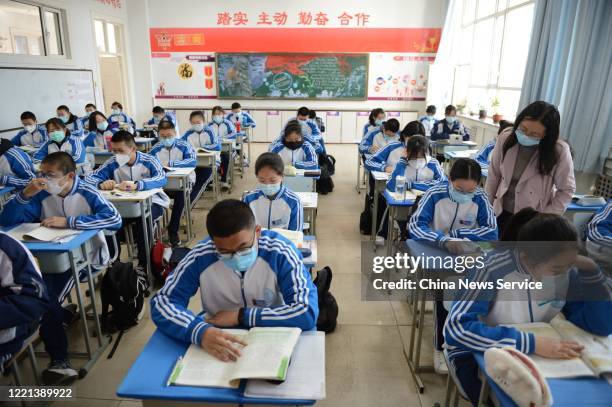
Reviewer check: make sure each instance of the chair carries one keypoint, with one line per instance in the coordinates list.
(453, 387)
(603, 186)
(13, 362)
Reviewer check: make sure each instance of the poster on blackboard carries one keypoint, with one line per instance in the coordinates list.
(292, 76)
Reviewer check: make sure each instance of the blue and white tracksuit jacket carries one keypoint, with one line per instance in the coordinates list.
(427, 122)
(84, 208)
(388, 156)
(276, 291)
(23, 296)
(419, 179)
(85, 122)
(75, 126)
(311, 133)
(206, 139)
(599, 238)
(121, 118)
(36, 139)
(224, 131)
(97, 138)
(16, 168)
(482, 157)
(303, 157)
(438, 218)
(284, 210)
(146, 172)
(368, 128)
(476, 321)
(168, 116)
(378, 138)
(180, 155)
(246, 120)
(441, 131)
(71, 145)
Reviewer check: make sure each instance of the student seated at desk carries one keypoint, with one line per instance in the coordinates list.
(16, 168)
(442, 129)
(238, 116)
(246, 276)
(380, 137)
(119, 116)
(312, 115)
(89, 109)
(60, 199)
(476, 319)
(384, 160)
(293, 149)
(201, 136)
(273, 204)
(101, 129)
(429, 119)
(223, 130)
(175, 153)
(72, 123)
(310, 130)
(132, 170)
(375, 120)
(482, 157)
(421, 170)
(159, 114)
(33, 134)
(60, 139)
(599, 238)
(23, 297)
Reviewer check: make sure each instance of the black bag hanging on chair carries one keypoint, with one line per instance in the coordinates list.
(328, 307)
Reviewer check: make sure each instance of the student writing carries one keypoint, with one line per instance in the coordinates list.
(293, 150)
(442, 129)
(387, 157)
(380, 137)
(16, 168)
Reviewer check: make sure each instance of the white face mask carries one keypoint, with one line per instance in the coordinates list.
(30, 128)
(198, 127)
(122, 159)
(53, 186)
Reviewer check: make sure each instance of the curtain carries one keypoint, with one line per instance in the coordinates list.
(569, 65)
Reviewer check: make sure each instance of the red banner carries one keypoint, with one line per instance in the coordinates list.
(423, 40)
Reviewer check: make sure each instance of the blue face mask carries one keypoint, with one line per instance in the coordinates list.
(218, 119)
(269, 189)
(116, 111)
(198, 127)
(450, 120)
(241, 262)
(64, 118)
(460, 197)
(525, 140)
(168, 142)
(378, 122)
(102, 126)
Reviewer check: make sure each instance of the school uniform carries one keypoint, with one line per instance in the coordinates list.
(71, 145)
(442, 131)
(35, 139)
(168, 117)
(284, 210)
(476, 321)
(224, 131)
(482, 157)
(368, 128)
(16, 168)
(147, 173)
(97, 138)
(388, 156)
(421, 179)
(376, 137)
(208, 140)
(245, 119)
(75, 126)
(311, 133)
(181, 155)
(23, 297)
(427, 122)
(85, 122)
(599, 238)
(303, 157)
(84, 208)
(275, 291)
(121, 118)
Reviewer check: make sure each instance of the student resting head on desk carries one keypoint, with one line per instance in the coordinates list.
(442, 129)
(176, 153)
(247, 277)
(16, 168)
(273, 204)
(32, 134)
(72, 123)
(378, 138)
(387, 157)
(60, 139)
(476, 320)
(89, 109)
(293, 149)
(60, 199)
(375, 119)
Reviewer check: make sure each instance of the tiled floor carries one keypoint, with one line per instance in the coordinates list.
(365, 360)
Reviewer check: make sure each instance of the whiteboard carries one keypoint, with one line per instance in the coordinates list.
(41, 91)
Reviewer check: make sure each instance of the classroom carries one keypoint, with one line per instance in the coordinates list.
(330, 203)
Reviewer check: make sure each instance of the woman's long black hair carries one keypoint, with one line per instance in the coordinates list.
(373, 114)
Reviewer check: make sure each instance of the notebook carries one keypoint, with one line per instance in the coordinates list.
(595, 360)
(295, 236)
(34, 232)
(266, 357)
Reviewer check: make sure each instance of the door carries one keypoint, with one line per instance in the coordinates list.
(109, 41)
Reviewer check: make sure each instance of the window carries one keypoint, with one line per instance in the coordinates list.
(107, 37)
(30, 29)
(494, 42)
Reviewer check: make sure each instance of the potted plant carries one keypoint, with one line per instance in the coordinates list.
(497, 116)
(482, 112)
(460, 107)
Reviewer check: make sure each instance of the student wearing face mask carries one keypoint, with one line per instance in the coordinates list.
(159, 114)
(72, 123)
(380, 137)
(419, 168)
(530, 166)
(33, 134)
(572, 285)
(239, 116)
(223, 130)
(60, 139)
(273, 204)
(132, 170)
(310, 130)
(442, 129)
(60, 199)
(293, 150)
(101, 129)
(89, 109)
(119, 116)
(386, 158)
(16, 168)
(429, 119)
(246, 277)
(175, 153)
(375, 120)
(483, 155)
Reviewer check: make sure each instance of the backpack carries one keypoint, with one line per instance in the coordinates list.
(159, 266)
(365, 219)
(327, 164)
(123, 288)
(328, 307)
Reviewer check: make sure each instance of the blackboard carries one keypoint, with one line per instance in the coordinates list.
(292, 76)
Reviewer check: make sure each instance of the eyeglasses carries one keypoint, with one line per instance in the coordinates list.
(239, 253)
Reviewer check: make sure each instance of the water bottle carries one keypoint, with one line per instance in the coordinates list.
(400, 184)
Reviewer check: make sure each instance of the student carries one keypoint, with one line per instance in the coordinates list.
(132, 170)
(89, 109)
(23, 297)
(16, 168)
(237, 115)
(478, 320)
(273, 204)
(599, 238)
(176, 153)
(530, 166)
(442, 129)
(293, 149)
(312, 115)
(375, 120)
(119, 116)
(246, 276)
(72, 123)
(386, 158)
(421, 170)
(159, 114)
(201, 136)
(101, 129)
(482, 157)
(59, 199)
(515, 224)
(429, 119)
(223, 130)
(310, 130)
(380, 137)
(60, 139)
(33, 134)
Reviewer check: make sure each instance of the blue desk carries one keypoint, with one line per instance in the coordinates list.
(302, 182)
(100, 157)
(147, 378)
(393, 207)
(566, 392)
(574, 207)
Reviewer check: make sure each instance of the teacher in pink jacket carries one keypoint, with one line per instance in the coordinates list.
(530, 166)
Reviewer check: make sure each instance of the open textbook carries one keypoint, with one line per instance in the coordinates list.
(295, 236)
(34, 232)
(266, 356)
(596, 358)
